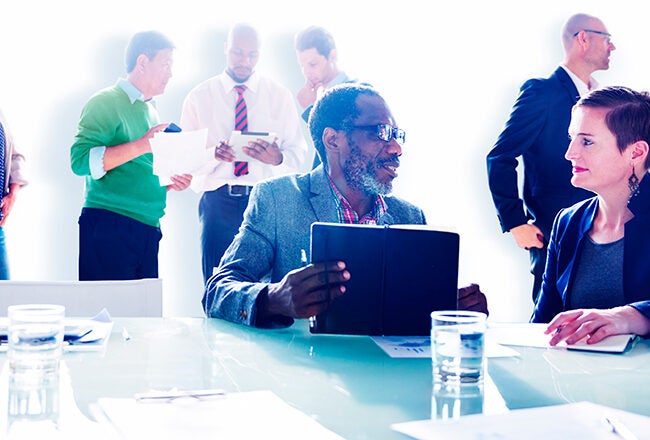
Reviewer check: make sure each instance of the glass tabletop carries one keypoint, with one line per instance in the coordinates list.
(346, 383)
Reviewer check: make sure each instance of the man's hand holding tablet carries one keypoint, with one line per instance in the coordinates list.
(249, 146)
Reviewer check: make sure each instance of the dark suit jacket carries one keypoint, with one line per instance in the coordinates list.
(276, 228)
(537, 130)
(570, 229)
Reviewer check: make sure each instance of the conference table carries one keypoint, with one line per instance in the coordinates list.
(348, 384)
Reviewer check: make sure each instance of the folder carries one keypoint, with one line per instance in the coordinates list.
(399, 275)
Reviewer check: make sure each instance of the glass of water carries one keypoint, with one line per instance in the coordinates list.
(34, 354)
(35, 337)
(457, 341)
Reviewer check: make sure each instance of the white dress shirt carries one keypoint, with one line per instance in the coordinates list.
(583, 88)
(270, 108)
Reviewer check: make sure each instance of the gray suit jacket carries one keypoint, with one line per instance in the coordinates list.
(276, 228)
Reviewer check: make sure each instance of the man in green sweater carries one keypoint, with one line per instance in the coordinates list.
(119, 226)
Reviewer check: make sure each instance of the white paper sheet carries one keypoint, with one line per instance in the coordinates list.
(97, 339)
(249, 415)
(179, 153)
(420, 347)
(532, 335)
(576, 421)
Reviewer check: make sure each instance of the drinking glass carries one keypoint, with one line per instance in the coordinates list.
(34, 354)
(457, 347)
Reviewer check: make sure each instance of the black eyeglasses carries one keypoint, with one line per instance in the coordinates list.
(385, 132)
(604, 34)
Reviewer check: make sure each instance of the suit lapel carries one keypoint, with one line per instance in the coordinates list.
(386, 219)
(321, 198)
(567, 83)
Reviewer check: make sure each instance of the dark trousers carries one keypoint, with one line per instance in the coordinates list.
(537, 265)
(220, 215)
(116, 247)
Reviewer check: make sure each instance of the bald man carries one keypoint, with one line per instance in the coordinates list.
(269, 107)
(537, 132)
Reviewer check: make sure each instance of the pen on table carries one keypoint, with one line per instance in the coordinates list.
(162, 396)
(125, 334)
(619, 428)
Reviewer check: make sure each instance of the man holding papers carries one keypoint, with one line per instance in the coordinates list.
(261, 281)
(178, 152)
(240, 103)
(119, 226)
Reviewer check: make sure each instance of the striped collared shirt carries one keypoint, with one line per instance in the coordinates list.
(348, 215)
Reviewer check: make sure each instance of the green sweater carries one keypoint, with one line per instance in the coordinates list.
(131, 189)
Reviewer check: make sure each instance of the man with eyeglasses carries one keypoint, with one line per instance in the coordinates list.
(240, 99)
(263, 279)
(537, 131)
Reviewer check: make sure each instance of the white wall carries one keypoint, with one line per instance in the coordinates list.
(449, 70)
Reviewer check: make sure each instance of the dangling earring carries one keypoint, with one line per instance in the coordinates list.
(633, 183)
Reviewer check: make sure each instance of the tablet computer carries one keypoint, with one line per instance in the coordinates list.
(240, 139)
(399, 274)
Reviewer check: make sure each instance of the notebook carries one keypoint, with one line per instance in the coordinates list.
(399, 275)
(532, 335)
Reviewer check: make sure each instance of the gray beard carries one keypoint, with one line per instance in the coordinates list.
(371, 186)
(362, 178)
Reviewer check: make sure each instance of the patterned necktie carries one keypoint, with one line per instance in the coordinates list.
(2, 163)
(241, 124)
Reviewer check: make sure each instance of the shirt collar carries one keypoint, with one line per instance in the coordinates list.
(348, 215)
(340, 78)
(228, 83)
(583, 88)
(131, 91)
